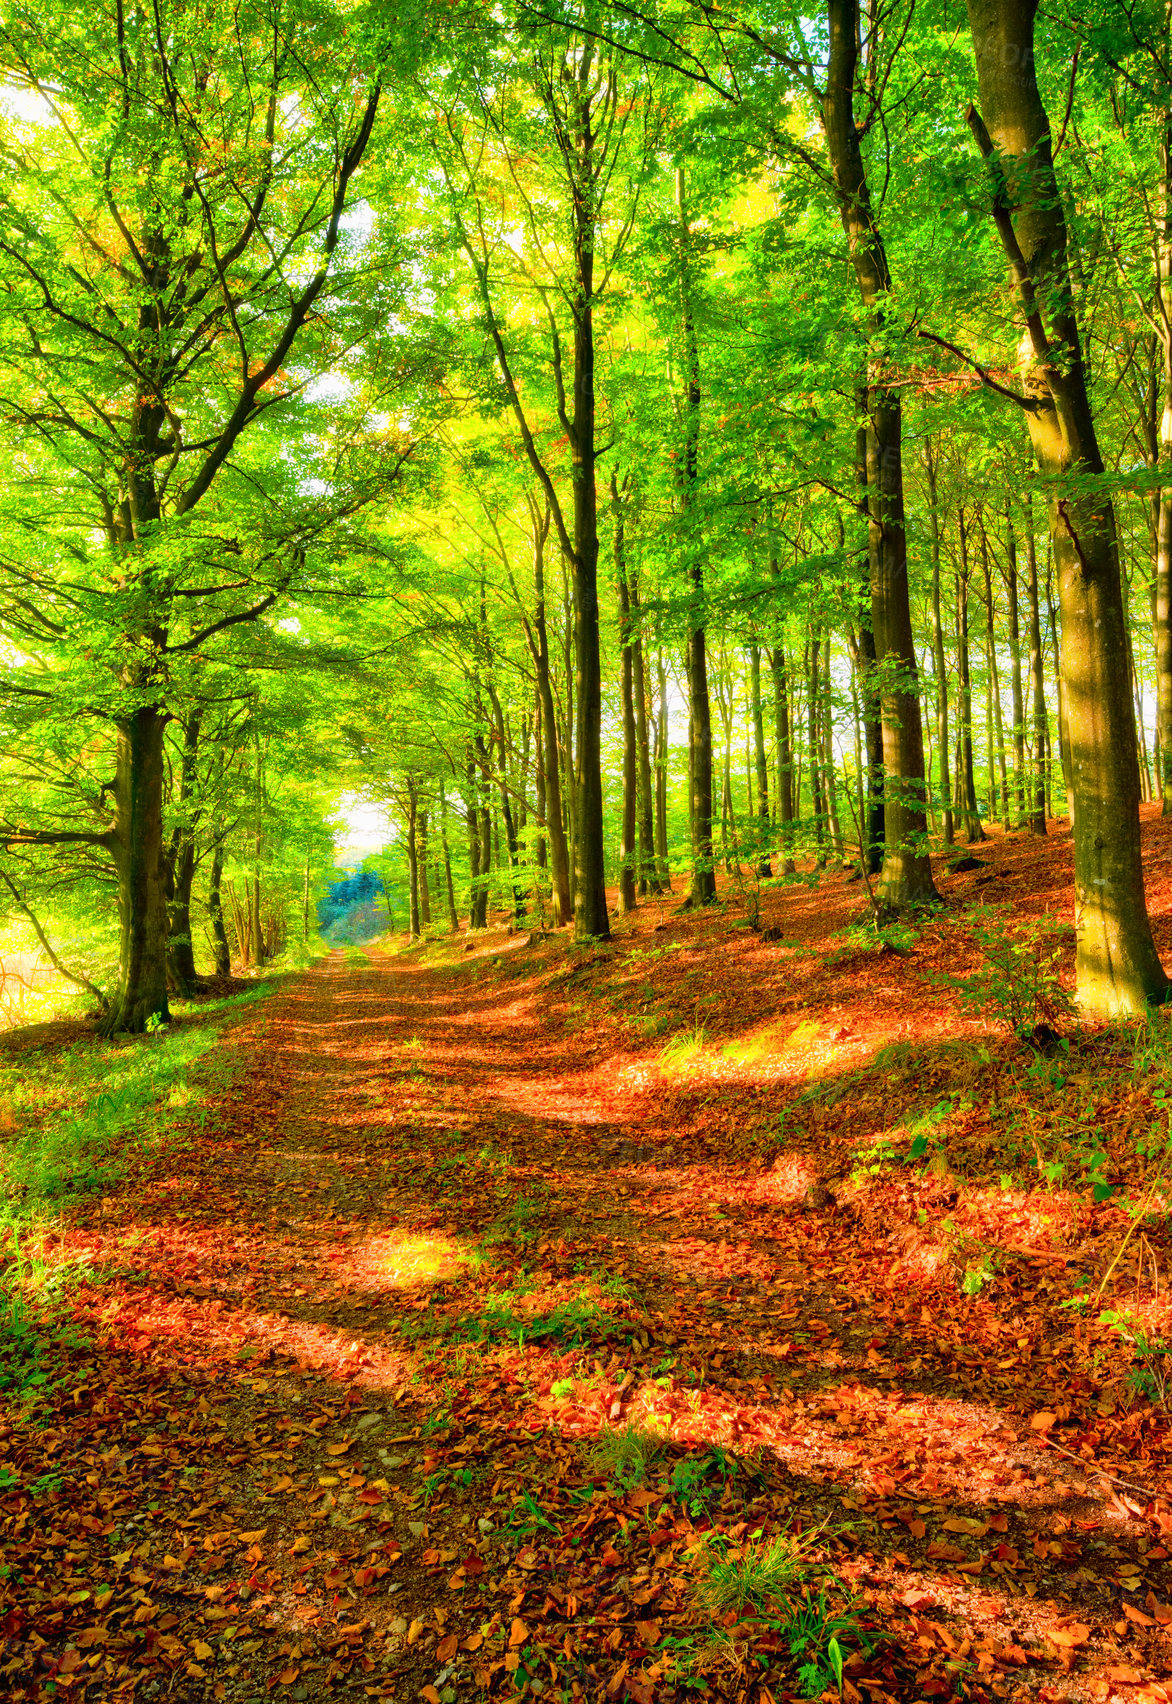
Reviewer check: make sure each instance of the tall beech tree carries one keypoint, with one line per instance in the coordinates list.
(171, 224)
(1118, 969)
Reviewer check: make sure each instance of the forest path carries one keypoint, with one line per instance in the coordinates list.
(437, 1364)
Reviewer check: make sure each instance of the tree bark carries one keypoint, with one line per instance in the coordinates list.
(627, 837)
(559, 855)
(1037, 813)
(413, 858)
(1118, 969)
(906, 877)
(703, 883)
(966, 777)
(221, 956)
(939, 659)
(181, 969)
(649, 881)
(760, 764)
(137, 845)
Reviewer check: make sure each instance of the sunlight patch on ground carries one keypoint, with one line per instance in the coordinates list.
(407, 1260)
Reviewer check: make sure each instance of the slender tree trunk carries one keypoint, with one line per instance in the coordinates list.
(812, 744)
(1163, 500)
(1037, 814)
(1019, 727)
(760, 763)
(453, 915)
(785, 756)
(1118, 969)
(540, 844)
(703, 884)
(559, 853)
(661, 755)
(413, 857)
(939, 660)
(906, 878)
(180, 947)
(828, 764)
(648, 871)
(966, 779)
(997, 765)
(221, 957)
(627, 839)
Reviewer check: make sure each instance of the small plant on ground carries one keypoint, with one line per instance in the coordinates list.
(763, 1572)
(624, 1456)
(1018, 981)
(771, 1581)
(697, 1480)
(1150, 1373)
(683, 1049)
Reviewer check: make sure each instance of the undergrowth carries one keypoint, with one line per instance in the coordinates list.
(79, 1117)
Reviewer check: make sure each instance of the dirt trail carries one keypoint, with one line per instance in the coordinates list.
(353, 1347)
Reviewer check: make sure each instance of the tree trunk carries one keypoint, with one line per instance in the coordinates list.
(1118, 969)
(1037, 814)
(627, 838)
(559, 854)
(413, 857)
(966, 777)
(181, 969)
(649, 881)
(703, 884)
(812, 698)
(997, 765)
(137, 845)
(760, 763)
(221, 957)
(661, 733)
(906, 878)
(785, 756)
(939, 660)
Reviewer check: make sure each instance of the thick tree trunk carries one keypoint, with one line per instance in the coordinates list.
(137, 844)
(1118, 969)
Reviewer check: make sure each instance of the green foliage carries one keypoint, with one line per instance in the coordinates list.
(1150, 1371)
(625, 1456)
(698, 1480)
(1018, 982)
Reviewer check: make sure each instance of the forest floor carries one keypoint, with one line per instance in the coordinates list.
(714, 1313)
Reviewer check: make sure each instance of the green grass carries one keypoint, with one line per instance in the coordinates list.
(80, 1115)
(683, 1049)
(763, 1573)
(625, 1455)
